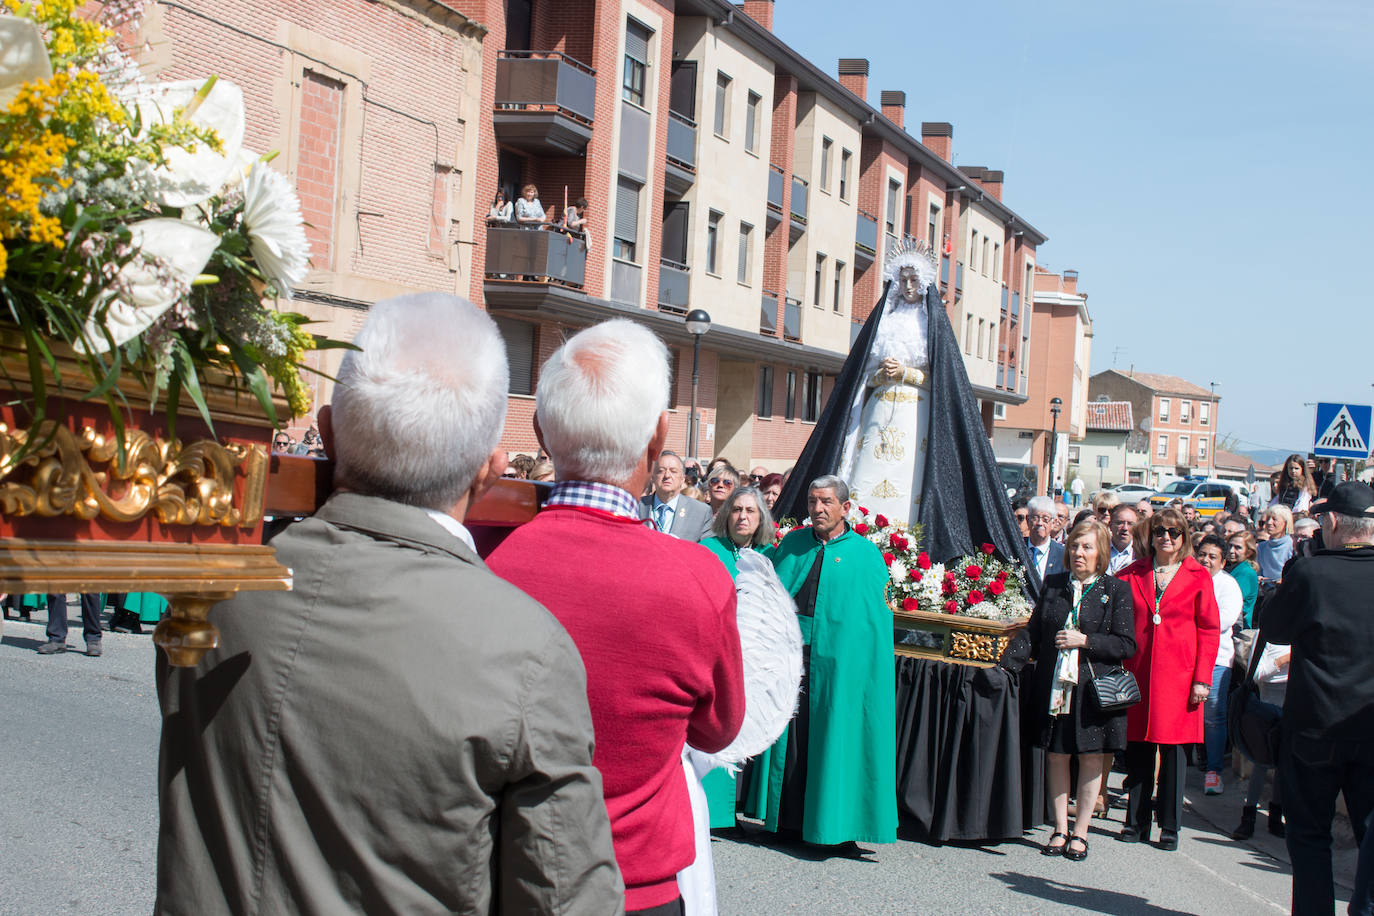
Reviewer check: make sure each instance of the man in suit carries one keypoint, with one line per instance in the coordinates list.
(1122, 528)
(377, 739)
(671, 512)
(1047, 554)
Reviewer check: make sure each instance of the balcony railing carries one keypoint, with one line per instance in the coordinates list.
(944, 270)
(799, 189)
(866, 233)
(1004, 300)
(768, 313)
(682, 141)
(673, 286)
(536, 256)
(625, 282)
(791, 319)
(545, 101)
(959, 276)
(775, 179)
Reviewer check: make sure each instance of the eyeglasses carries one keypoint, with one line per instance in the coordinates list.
(1173, 533)
(715, 480)
(1020, 516)
(756, 478)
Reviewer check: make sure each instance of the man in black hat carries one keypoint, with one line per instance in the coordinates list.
(1323, 610)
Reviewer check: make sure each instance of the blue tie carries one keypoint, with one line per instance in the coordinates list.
(664, 513)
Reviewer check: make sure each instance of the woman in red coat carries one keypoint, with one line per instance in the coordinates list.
(1176, 633)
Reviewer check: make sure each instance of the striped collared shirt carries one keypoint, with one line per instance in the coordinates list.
(590, 494)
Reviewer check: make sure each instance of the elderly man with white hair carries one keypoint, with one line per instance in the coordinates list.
(653, 616)
(352, 746)
(1046, 554)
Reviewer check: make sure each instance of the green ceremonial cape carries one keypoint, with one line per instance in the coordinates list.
(851, 786)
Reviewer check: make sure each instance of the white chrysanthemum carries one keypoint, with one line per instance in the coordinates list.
(276, 231)
(898, 570)
(173, 254)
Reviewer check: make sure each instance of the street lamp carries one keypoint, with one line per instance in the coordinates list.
(698, 323)
(1056, 404)
(1212, 452)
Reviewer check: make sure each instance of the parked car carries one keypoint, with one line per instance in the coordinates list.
(1207, 496)
(1132, 493)
(1019, 479)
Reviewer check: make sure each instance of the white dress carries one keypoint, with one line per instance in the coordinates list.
(885, 443)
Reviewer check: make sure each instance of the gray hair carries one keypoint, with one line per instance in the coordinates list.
(599, 400)
(831, 482)
(1354, 527)
(767, 529)
(420, 406)
(1038, 505)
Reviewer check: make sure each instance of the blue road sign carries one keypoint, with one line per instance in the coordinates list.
(1342, 431)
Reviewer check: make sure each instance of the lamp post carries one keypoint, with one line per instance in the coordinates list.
(1212, 451)
(1056, 404)
(698, 323)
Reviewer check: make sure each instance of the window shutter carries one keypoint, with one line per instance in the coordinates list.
(519, 338)
(637, 41)
(627, 211)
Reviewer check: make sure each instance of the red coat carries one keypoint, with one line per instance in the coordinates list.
(1172, 656)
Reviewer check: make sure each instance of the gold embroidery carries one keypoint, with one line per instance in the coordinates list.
(79, 475)
(890, 447)
(901, 396)
(885, 490)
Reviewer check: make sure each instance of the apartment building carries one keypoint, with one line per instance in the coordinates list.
(1179, 417)
(1055, 360)
(723, 172)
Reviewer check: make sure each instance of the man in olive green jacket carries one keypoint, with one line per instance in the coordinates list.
(402, 732)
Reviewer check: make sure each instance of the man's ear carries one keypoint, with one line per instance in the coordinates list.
(487, 475)
(539, 435)
(325, 422)
(659, 440)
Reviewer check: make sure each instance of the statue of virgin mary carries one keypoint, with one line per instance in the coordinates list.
(903, 428)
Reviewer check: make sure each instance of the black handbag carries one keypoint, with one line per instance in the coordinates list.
(1113, 691)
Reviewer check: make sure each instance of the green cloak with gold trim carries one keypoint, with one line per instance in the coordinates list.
(851, 783)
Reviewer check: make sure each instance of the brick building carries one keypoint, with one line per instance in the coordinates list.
(1055, 363)
(723, 171)
(1179, 417)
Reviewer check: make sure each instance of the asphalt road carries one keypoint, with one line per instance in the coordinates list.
(78, 824)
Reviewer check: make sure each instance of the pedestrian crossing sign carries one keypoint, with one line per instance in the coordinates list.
(1342, 431)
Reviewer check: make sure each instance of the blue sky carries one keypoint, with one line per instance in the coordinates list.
(1205, 166)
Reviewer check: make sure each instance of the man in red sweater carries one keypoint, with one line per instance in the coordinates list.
(653, 616)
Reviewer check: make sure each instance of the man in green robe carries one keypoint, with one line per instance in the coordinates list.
(832, 776)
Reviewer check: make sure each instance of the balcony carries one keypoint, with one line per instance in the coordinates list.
(545, 102)
(855, 329)
(768, 314)
(674, 285)
(797, 225)
(536, 256)
(791, 319)
(625, 277)
(958, 277)
(944, 271)
(1015, 306)
(865, 240)
(775, 186)
(681, 171)
(1005, 296)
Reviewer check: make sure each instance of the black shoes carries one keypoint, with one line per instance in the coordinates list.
(1130, 835)
(1049, 849)
(1276, 826)
(52, 647)
(1247, 824)
(1168, 840)
(93, 648)
(1074, 854)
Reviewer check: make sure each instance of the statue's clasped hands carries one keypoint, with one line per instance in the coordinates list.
(892, 370)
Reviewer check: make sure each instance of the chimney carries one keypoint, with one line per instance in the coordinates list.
(1070, 284)
(761, 11)
(894, 106)
(992, 182)
(854, 75)
(939, 137)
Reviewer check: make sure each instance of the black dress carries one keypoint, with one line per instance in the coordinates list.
(1106, 614)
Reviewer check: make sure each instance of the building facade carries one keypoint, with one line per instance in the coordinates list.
(1179, 418)
(1054, 364)
(1111, 451)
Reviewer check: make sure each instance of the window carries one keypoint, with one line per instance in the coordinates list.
(790, 407)
(982, 330)
(1164, 410)
(1204, 413)
(845, 157)
(722, 105)
(997, 260)
(765, 391)
(894, 192)
(999, 411)
(1183, 450)
(839, 286)
(1185, 410)
(1202, 451)
(746, 246)
(987, 261)
(712, 241)
(933, 227)
(751, 123)
(1073, 453)
(992, 340)
(519, 338)
(827, 149)
(626, 219)
(811, 394)
(636, 75)
(1162, 447)
(968, 335)
(973, 251)
(820, 274)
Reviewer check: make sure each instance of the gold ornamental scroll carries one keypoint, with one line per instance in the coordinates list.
(952, 639)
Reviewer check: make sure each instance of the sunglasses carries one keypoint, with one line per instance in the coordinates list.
(1020, 516)
(1174, 533)
(715, 480)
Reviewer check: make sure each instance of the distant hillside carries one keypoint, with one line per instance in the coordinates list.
(1269, 456)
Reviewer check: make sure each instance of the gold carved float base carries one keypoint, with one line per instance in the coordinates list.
(953, 639)
(192, 577)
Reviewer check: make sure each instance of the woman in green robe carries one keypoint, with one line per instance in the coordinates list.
(743, 521)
